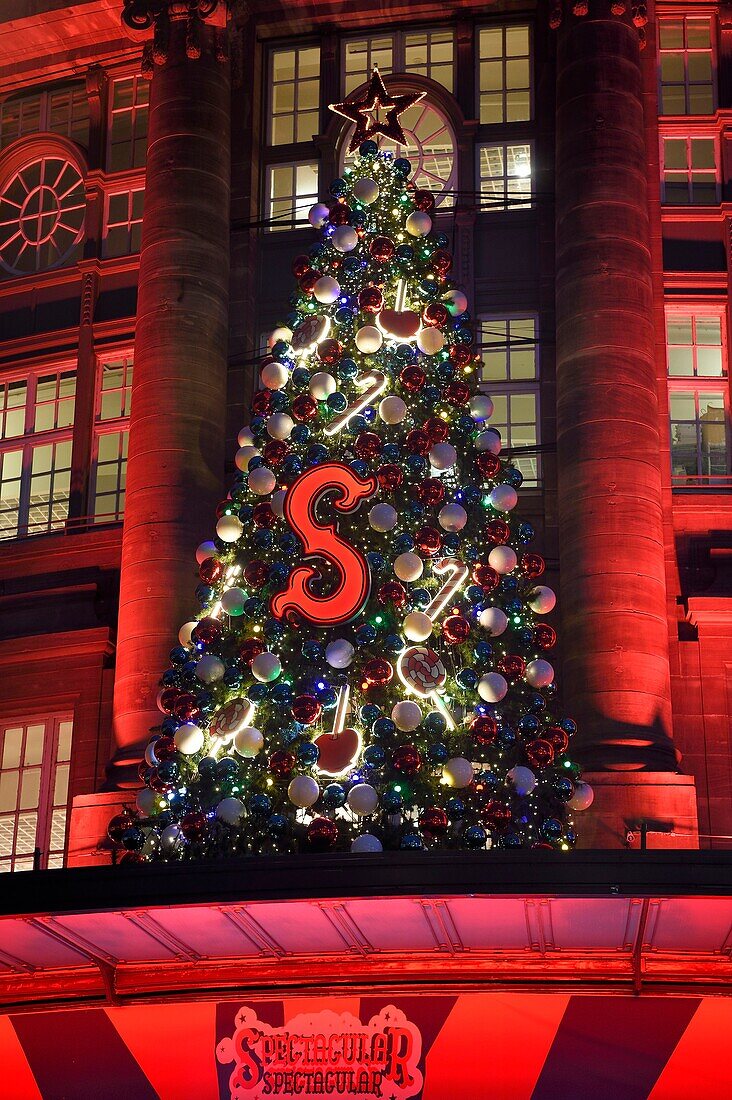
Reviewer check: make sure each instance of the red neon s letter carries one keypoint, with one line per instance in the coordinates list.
(321, 540)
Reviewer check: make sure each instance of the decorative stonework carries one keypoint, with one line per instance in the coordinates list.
(141, 17)
(622, 9)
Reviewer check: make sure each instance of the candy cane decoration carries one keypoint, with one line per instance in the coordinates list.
(231, 573)
(459, 574)
(339, 749)
(375, 381)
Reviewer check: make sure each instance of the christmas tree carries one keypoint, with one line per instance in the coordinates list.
(368, 669)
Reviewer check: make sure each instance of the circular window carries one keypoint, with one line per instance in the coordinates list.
(42, 209)
(430, 148)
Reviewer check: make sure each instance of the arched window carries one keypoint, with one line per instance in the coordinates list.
(42, 208)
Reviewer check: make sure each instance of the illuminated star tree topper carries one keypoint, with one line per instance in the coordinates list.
(377, 112)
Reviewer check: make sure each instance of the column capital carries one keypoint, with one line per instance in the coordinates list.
(150, 21)
(627, 10)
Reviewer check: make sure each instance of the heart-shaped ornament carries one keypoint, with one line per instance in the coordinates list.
(404, 324)
(338, 751)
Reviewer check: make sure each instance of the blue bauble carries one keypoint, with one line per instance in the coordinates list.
(369, 713)
(169, 725)
(416, 508)
(441, 240)
(292, 320)
(514, 477)
(278, 573)
(226, 768)
(256, 424)
(277, 824)
(374, 756)
(360, 467)
(451, 541)
(263, 538)
(570, 836)
(513, 607)
(279, 401)
(189, 669)
(338, 188)
(369, 414)
(528, 725)
(445, 371)
(252, 607)
(536, 702)
(474, 594)
(282, 695)
(258, 692)
(512, 840)
(233, 677)
(246, 511)
(405, 353)
(307, 753)
(475, 837)
(288, 542)
(569, 726)
(437, 753)
(562, 787)
(434, 723)
(417, 465)
(392, 801)
(290, 734)
(292, 466)
(384, 727)
(390, 452)
(272, 630)
(506, 736)
(327, 697)
(525, 639)
(393, 644)
(429, 289)
(356, 424)
(403, 543)
(347, 369)
(551, 828)
(337, 402)
(260, 804)
(376, 560)
(178, 655)
(343, 316)
(402, 167)
(204, 594)
(455, 808)
(280, 349)
(316, 453)
(204, 699)
(365, 634)
(255, 463)
(525, 533)
(300, 434)
(334, 795)
(464, 335)
(351, 264)
(431, 395)
(368, 149)
(170, 677)
(312, 649)
(208, 766)
(465, 424)
(405, 253)
(132, 838)
(411, 842)
(358, 219)
(508, 584)
(420, 597)
(467, 678)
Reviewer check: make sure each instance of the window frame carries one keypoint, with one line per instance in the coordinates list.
(504, 26)
(507, 206)
(116, 425)
(45, 95)
(688, 135)
(272, 226)
(129, 191)
(507, 387)
(684, 16)
(134, 109)
(398, 38)
(295, 47)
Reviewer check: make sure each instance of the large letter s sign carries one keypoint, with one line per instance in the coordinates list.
(321, 540)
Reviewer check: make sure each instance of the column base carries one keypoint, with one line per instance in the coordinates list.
(664, 800)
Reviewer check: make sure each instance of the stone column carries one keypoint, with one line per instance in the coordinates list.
(613, 594)
(176, 450)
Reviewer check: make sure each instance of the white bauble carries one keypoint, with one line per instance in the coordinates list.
(455, 301)
(244, 456)
(185, 632)
(362, 799)
(150, 757)
(417, 626)
(345, 238)
(279, 426)
(339, 653)
(275, 376)
(303, 791)
(322, 385)
(369, 339)
(189, 738)
(452, 517)
(409, 567)
(248, 742)
(382, 517)
(392, 410)
(493, 620)
(204, 551)
(146, 801)
(542, 599)
(229, 528)
(443, 456)
(171, 838)
(539, 673)
(262, 481)
(503, 559)
(277, 503)
(458, 772)
(583, 796)
(523, 779)
(366, 190)
(481, 407)
(282, 332)
(492, 687)
(232, 601)
(230, 810)
(326, 290)
(210, 669)
(430, 341)
(246, 437)
(366, 843)
(318, 215)
(406, 715)
(266, 667)
(489, 440)
(418, 224)
(503, 498)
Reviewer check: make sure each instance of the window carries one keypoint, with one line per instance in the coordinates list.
(360, 56)
(291, 191)
(123, 230)
(129, 99)
(690, 171)
(687, 66)
(114, 398)
(695, 345)
(295, 95)
(504, 83)
(699, 445)
(430, 54)
(504, 176)
(510, 374)
(36, 417)
(63, 110)
(34, 790)
(42, 211)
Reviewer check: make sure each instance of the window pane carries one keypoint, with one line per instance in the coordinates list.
(683, 406)
(12, 742)
(9, 790)
(34, 737)
(30, 788)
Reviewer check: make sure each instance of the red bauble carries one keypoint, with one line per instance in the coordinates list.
(368, 445)
(533, 565)
(165, 748)
(424, 200)
(371, 299)
(261, 402)
(557, 738)
(377, 672)
(322, 834)
(495, 815)
(498, 531)
(428, 540)
(436, 429)
(412, 378)
(263, 516)
(300, 265)
(441, 261)
(457, 393)
(206, 631)
(455, 629)
(193, 825)
(512, 667)
(211, 570)
(117, 826)
(545, 636)
(430, 492)
(484, 729)
(275, 452)
(434, 821)
(329, 351)
(306, 709)
(167, 699)
(255, 573)
(406, 759)
(339, 214)
(392, 592)
(485, 577)
(156, 783)
(389, 477)
(304, 408)
(488, 464)
(281, 763)
(540, 753)
(382, 249)
(435, 315)
(308, 280)
(460, 355)
(249, 649)
(185, 709)
(418, 442)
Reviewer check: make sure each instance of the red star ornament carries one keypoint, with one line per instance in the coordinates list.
(367, 113)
